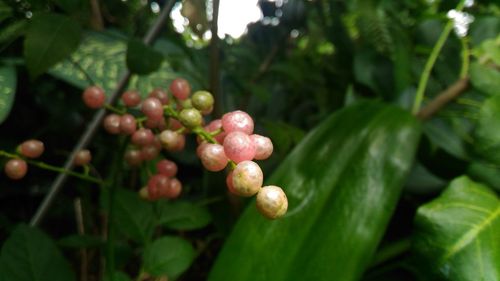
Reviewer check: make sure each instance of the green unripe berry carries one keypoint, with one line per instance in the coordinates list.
(190, 117)
(202, 100)
(187, 103)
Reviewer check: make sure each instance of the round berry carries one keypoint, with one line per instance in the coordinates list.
(237, 121)
(160, 95)
(127, 124)
(94, 97)
(174, 124)
(143, 137)
(156, 186)
(152, 108)
(31, 148)
(133, 157)
(272, 202)
(213, 157)
(16, 169)
(263, 146)
(171, 140)
(82, 157)
(143, 193)
(239, 147)
(180, 88)
(174, 189)
(214, 126)
(202, 100)
(149, 152)
(112, 123)
(166, 167)
(190, 117)
(229, 183)
(247, 178)
(131, 98)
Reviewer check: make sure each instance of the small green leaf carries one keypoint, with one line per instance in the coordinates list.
(485, 79)
(30, 255)
(50, 39)
(487, 133)
(81, 241)
(183, 215)
(133, 216)
(8, 79)
(117, 276)
(12, 31)
(457, 234)
(169, 256)
(142, 59)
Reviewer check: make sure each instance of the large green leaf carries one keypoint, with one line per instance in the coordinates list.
(484, 78)
(8, 79)
(30, 255)
(50, 39)
(169, 256)
(142, 59)
(183, 215)
(457, 235)
(343, 182)
(487, 133)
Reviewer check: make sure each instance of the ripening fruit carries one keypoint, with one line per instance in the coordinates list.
(229, 183)
(82, 157)
(94, 97)
(31, 148)
(190, 117)
(174, 189)
(156, 184)
(214, 126)
(133, 157)
(166, 167)
(16, 169)
(159, 94)
(263, 146)
(143, 137)
(131, 98)
(143, 193)
(150, 152)
(127, 124)
(202, 100)
(152, 108)
(238, 147)
(237, 121)
(180, 88)
(172, 141)
(174, 124)
(213, 157)
(112, 123)
(272, 202)
(247, 178)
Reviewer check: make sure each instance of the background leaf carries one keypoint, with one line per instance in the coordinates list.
(8, 79)
(485, 78)
(183, 215)
(142, 59)
(169, 256)
(487, 133)
(456, 235)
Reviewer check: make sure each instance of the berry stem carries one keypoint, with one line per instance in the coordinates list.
(169, 111)
(113, 109)
(53, 168)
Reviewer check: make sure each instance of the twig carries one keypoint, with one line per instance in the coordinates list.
(443, 98)
(96, 20)
(81, 231)
(96, 121)
(214, 60)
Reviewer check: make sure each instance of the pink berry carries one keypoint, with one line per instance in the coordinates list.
(166, 167)
(131, 98)
(152, 108)
(272, 202)
(82, 157)
(239, 147)
(31, 148)
(149, 152)
(213, 157)
(143, 137)
(112, 123)
(214, 126)
(160, 95)
(133, 157)
(156, 185)
(172, 141)
(127, 124)
(237, 121)
(263, 146)
(200, 148)
(180, 88)
(247, 178)
(94, 97)
(229, 183)
(16, 169)
(173, 189)
(174, 124)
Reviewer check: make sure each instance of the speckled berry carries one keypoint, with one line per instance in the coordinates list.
(272, 202)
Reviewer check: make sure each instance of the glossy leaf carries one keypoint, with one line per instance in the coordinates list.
(30, 255)
(487, 133)
(8, 79)
(485, 79)
(81, 241)
(50, 39)
(142, 59)
(183, 215)
(457, 234)
(169, 256)
(343, 182)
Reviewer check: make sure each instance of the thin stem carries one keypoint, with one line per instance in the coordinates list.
(465, 57)
(52, 168)
(469, 102)
(87, 76)
(391, 251)
(114, 109)
(451, 93)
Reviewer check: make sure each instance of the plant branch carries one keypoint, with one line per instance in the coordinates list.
(96, 19)
(443, 98)
(96, 121)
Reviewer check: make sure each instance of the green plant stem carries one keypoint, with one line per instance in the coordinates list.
(391, 251)
(465, 57)
(111, 108)
(52, 168)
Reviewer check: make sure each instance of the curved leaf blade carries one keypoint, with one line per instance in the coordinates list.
(8, 80)
(183, 215)
(133, 216)
(169, 256)
(487, 133)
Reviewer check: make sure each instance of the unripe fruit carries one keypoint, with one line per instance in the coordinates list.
(31, 148)
(133, 157)
(82, 157)
(213, 157)
(157, 185)
(131, 98)
(166, 167)
(190, 117)
(94, 97)
(229, 183)
(149, 152)
(247, 178)
(143, 193)
(202, 100)
(237, 121)
(174, 189)
(16, 169)
(239, 147)
(263, 146)
(112, 123)
(127, 124)
(180, 88)
(160, 95)
(174, 124)
(214, 126)
(172, 141)
(152, 108)
(272, 202)
(143, 137)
